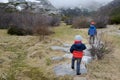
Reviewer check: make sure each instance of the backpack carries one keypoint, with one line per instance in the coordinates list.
(92, 30)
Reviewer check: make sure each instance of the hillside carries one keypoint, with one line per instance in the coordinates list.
(28, 58)
(110, 13)
(39, 6)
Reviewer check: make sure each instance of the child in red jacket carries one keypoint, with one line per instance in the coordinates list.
(77, 51)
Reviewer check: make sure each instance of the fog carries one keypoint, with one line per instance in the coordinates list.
(5, 1)
(77, 3)
(73, 3)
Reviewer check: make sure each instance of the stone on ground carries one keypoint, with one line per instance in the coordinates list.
(65, 69)
(57, 58)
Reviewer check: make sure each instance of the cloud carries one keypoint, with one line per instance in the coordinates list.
(75, 3)
(5, 1)
(71, 3)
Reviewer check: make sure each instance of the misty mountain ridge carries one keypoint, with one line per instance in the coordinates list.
(38, 6)
(91, 5)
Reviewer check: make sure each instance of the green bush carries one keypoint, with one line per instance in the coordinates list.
(14, 30)
(115, 16)
(115, 19)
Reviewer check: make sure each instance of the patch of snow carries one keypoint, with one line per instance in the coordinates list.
(34, 1)
(19, 8)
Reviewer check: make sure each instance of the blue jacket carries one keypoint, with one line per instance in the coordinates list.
(92, 30)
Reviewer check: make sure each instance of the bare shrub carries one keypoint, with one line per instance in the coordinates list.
(5, 19)
(101, 21)
(68, 21)
(26, 23)
(42, 26)
(103, 46)
(55, 21)
(20, 24)
(81, 22)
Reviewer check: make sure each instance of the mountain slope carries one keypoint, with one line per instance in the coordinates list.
(37, 6)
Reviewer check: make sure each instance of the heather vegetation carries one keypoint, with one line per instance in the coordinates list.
(26, 38)
(27, 23)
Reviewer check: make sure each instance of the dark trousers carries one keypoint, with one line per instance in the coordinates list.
(77, 64)
(92, 39)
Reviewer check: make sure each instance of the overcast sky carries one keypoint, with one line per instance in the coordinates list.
(74, 3)
(71, 3)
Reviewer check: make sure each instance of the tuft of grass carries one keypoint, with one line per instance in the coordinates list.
(3, 32)
(36, 74)
(48, 61)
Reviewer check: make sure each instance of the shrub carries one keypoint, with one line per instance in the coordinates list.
(54, 21)
(102, 47)
(115, 19)
(4, 19)
(100, 50)
(15, 30)
(27, 23)
(101, 21)
(101, 24)
(69, 21)
(42, 31)
(115, 15)
(81, 22)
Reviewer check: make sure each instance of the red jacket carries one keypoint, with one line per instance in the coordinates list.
(77, 54)
(77, 49)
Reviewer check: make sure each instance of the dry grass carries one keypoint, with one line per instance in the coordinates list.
(108, 68)
(66, 34)
(27, 58)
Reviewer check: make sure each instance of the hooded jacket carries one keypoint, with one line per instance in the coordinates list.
(92, 30)
(77, 49)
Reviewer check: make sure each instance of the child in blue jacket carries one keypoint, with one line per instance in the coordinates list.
(92, 32)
